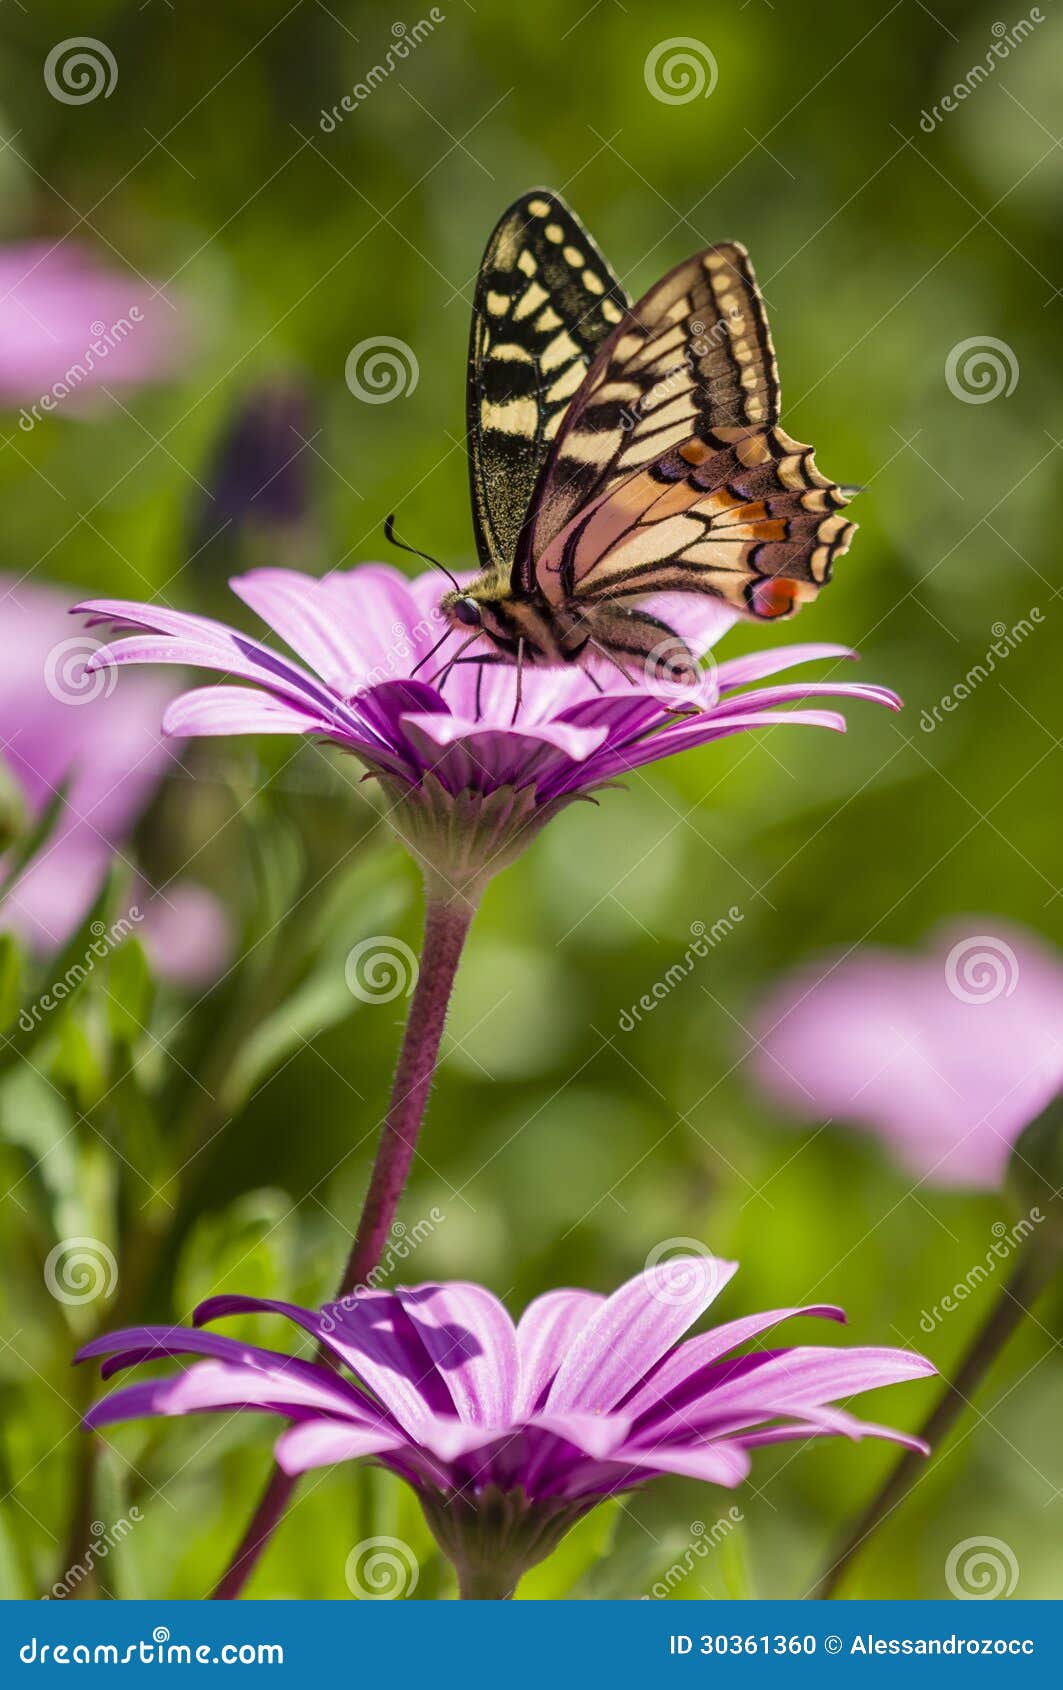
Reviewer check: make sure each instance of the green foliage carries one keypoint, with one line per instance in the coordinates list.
(221, 1139)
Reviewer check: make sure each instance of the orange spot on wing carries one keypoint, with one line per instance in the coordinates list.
(694, 451)
(775, 597)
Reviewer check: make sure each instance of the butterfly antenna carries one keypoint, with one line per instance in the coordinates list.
(442, 640)
(391, 536)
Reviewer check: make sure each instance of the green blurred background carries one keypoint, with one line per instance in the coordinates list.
(559, 1148)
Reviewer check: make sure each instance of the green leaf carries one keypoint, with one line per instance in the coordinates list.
(248, 1247)
(33, 841)
(10, 979)
(130, 990)
(14, 1580)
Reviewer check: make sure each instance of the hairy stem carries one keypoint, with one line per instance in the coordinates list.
(446, 927)
(1028, 1279)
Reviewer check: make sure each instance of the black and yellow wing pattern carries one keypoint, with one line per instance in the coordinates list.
(546, 301)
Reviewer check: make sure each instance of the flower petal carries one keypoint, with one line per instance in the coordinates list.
(759, 1387)
(757, 665)
(472, 1344)
(463, 754)
(371, 1334)
(208, 1386)
(319, 1443)
(239, 710)
(677, 1378)
(634, 1328)
(716, 1463)
(351, 639)
(544, 1335)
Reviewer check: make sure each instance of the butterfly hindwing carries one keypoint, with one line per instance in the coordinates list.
(545, 303)
(669, 472)
(750, 521)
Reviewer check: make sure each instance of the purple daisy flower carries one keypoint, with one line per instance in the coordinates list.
(446, 733)
(509, 1434)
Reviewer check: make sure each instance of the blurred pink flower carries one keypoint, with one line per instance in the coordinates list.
(946, 1056)
(59, 723)
(68, 325)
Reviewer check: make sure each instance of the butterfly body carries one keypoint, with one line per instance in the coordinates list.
(620, 451)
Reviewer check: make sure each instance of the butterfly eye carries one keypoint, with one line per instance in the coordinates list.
(467, 612)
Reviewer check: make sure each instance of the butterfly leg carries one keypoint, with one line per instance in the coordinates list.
(520, 681)
(636, 641)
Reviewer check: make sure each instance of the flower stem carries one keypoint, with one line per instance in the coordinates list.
(447, 923)
(1031, 1274)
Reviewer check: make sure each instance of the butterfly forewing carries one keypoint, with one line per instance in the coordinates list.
(696, 348)
(545, 303)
